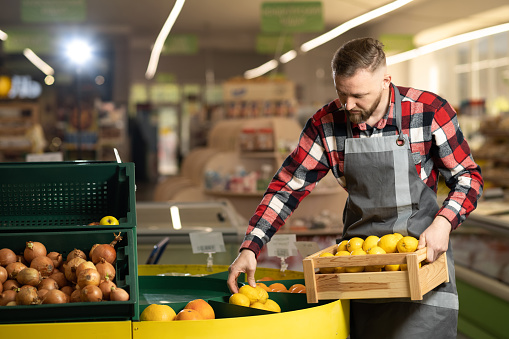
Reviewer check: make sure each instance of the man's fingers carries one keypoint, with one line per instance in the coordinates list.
(232, 282)
(422, 241)
(251, 278)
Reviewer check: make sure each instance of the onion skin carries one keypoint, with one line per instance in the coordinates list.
(91, 293)
(11, 284)
(92, 250)
(57, 258)
(7, 256)
(60, 279)
(43, 264)
(67, 290)
(14, 268)
(89, 276)
(118, 294)
(70, 269)
(106, 286)
(3, 275)
(106, 252)
(106, 270)
(76, 253)
(34, 249)
(7, 296)
(75, 296)
(27, 295)
(55, 297)
(29, 276)
(47, 284)
(83, 266)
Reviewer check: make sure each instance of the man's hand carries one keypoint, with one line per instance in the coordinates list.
(245, 263)
(435, 238)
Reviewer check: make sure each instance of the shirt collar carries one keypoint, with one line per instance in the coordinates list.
(387, 119)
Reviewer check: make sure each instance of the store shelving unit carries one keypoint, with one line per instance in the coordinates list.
(16, 121)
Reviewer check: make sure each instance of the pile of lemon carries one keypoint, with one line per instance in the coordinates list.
(389, 243)
(255, 297)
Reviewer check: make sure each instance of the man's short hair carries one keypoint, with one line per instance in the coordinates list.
(362, 53)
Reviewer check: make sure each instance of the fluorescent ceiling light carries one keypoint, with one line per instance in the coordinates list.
(175, 217)
(79, 51)
(351, 24)
(161, 38)
(38, 62)
(455, 40)
(288, 56)
(261, 70)
(3, 35)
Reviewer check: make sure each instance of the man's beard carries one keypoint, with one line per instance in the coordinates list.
(363, 115)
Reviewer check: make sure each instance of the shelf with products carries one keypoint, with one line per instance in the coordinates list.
(18, 123)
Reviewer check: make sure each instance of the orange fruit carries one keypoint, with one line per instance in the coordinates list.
(265, 287)
(297, 288)
(278, 287)
(342, 246)
(265, 279)
(370, 242)
(354, 244)
(203, 307)
(407, 244)
(355, 269)
(389, 243)
(156, 312)
(340, 269)
(188, 314)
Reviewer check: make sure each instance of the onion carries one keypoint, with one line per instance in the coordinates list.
(29, 276)
(43, 264)
(34, 249)
(27, 295)
(56, 257)
(106, 270)
(60, 279)
(14, 268)
(21, 258)
(55, 297)
(7, 296)
(92, 250)
(42, 293)
(1, 288)
(11, 303)
(7, 256)
(76, 253)
(91, 293)
(83, 266)
(105, 287)
(118, 294)
(89, 276)
(67, 290)
(106, 251)
(70, 269)
(11, 284)
(47, 284)
(3, 275)
(76, 296)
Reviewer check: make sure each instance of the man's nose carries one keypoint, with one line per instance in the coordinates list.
(349, 103)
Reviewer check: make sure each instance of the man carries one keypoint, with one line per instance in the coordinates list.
(386, 145)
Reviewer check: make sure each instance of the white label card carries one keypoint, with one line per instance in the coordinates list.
(207, 242)
(282, 245)
(306, 248)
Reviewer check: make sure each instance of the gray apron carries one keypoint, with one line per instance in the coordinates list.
(386, 195)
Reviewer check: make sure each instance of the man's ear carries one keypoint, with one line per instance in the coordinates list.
(386, 81)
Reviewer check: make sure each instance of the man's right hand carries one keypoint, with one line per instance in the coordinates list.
(244, 263)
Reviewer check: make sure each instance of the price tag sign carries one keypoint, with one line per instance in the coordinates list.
(282, 245)
(207, 242)
(307, 248)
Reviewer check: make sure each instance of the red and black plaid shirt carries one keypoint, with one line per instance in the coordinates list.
(436, 142)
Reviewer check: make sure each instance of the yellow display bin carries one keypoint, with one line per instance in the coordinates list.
(74, 330)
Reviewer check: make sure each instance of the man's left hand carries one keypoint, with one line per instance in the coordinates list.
(435, 238)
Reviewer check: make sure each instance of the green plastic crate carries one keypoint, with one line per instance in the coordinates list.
(64, 242)
(65, 195)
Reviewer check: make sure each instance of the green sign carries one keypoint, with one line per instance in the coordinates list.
(53, 10)
(397, 43)
(180, 44)
(274, 43)
(292, 17)
(39, 41)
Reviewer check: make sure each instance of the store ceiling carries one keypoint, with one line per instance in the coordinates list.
(229, 24)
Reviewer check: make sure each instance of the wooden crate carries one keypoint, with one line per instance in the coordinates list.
(412, 283)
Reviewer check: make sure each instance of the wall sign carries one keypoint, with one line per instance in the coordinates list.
(23, 87)
(305, 16)
(53, 10)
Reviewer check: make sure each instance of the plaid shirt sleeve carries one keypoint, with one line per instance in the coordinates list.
(296, 178)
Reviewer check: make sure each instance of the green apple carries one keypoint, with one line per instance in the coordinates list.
(108, 220)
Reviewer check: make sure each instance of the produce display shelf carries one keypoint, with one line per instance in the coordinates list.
(66, 195)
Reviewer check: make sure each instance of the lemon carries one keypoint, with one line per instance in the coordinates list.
(239, 299)
(252, 293)
(326, 269)
(355, 269)
(404, 267)
(398, 235)
(375, 250)
(342, 246)
(392, 267)
(340, 269)
(407, 244)
(370, 242)
(389, 243)
(273, 306)
(354, 244)
(373, 268)
(262, 294)
(156, 312)
(258, 305)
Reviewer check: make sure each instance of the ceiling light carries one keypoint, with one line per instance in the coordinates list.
(3, 35)
(288, 56)
(261, 70)
(38, 62)
(438, 45)
(161, 38)
(79, 51)
(351, 24)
